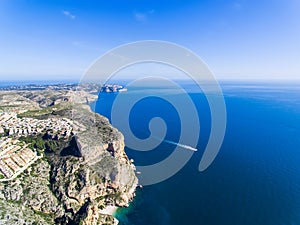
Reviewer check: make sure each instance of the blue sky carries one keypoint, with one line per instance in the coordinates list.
(59, 39)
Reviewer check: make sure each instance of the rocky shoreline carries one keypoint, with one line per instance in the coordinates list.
(77, 179)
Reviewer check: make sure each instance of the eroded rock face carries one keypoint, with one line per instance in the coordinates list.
(72, 188)
(84, 189)
(102, 176)
(31, 195)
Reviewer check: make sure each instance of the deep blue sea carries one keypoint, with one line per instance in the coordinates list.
(254, 180)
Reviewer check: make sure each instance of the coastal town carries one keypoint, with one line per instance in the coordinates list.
(52, 162)
(86, 87)
(15, 155)
(107, 88)
(14, 126)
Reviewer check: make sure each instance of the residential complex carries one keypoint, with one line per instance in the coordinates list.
(14, 126)
(15, 157)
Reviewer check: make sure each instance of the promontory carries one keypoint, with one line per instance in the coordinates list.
(60, 163)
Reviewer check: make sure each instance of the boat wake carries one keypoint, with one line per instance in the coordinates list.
(180, 145)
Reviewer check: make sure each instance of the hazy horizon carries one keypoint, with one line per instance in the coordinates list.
(237, 39)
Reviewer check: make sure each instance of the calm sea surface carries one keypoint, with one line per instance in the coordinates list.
(255, 179)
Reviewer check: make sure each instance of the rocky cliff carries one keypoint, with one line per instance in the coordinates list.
(74, 180)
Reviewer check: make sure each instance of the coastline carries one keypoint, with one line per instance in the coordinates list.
(114, 211)
(109, 210)
(119, 195)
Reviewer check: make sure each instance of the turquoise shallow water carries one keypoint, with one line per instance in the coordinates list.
(255, 178)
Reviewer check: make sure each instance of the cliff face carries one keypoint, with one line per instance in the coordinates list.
(84, 191)
(102, 148)
(102, 176)
(71, 184)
